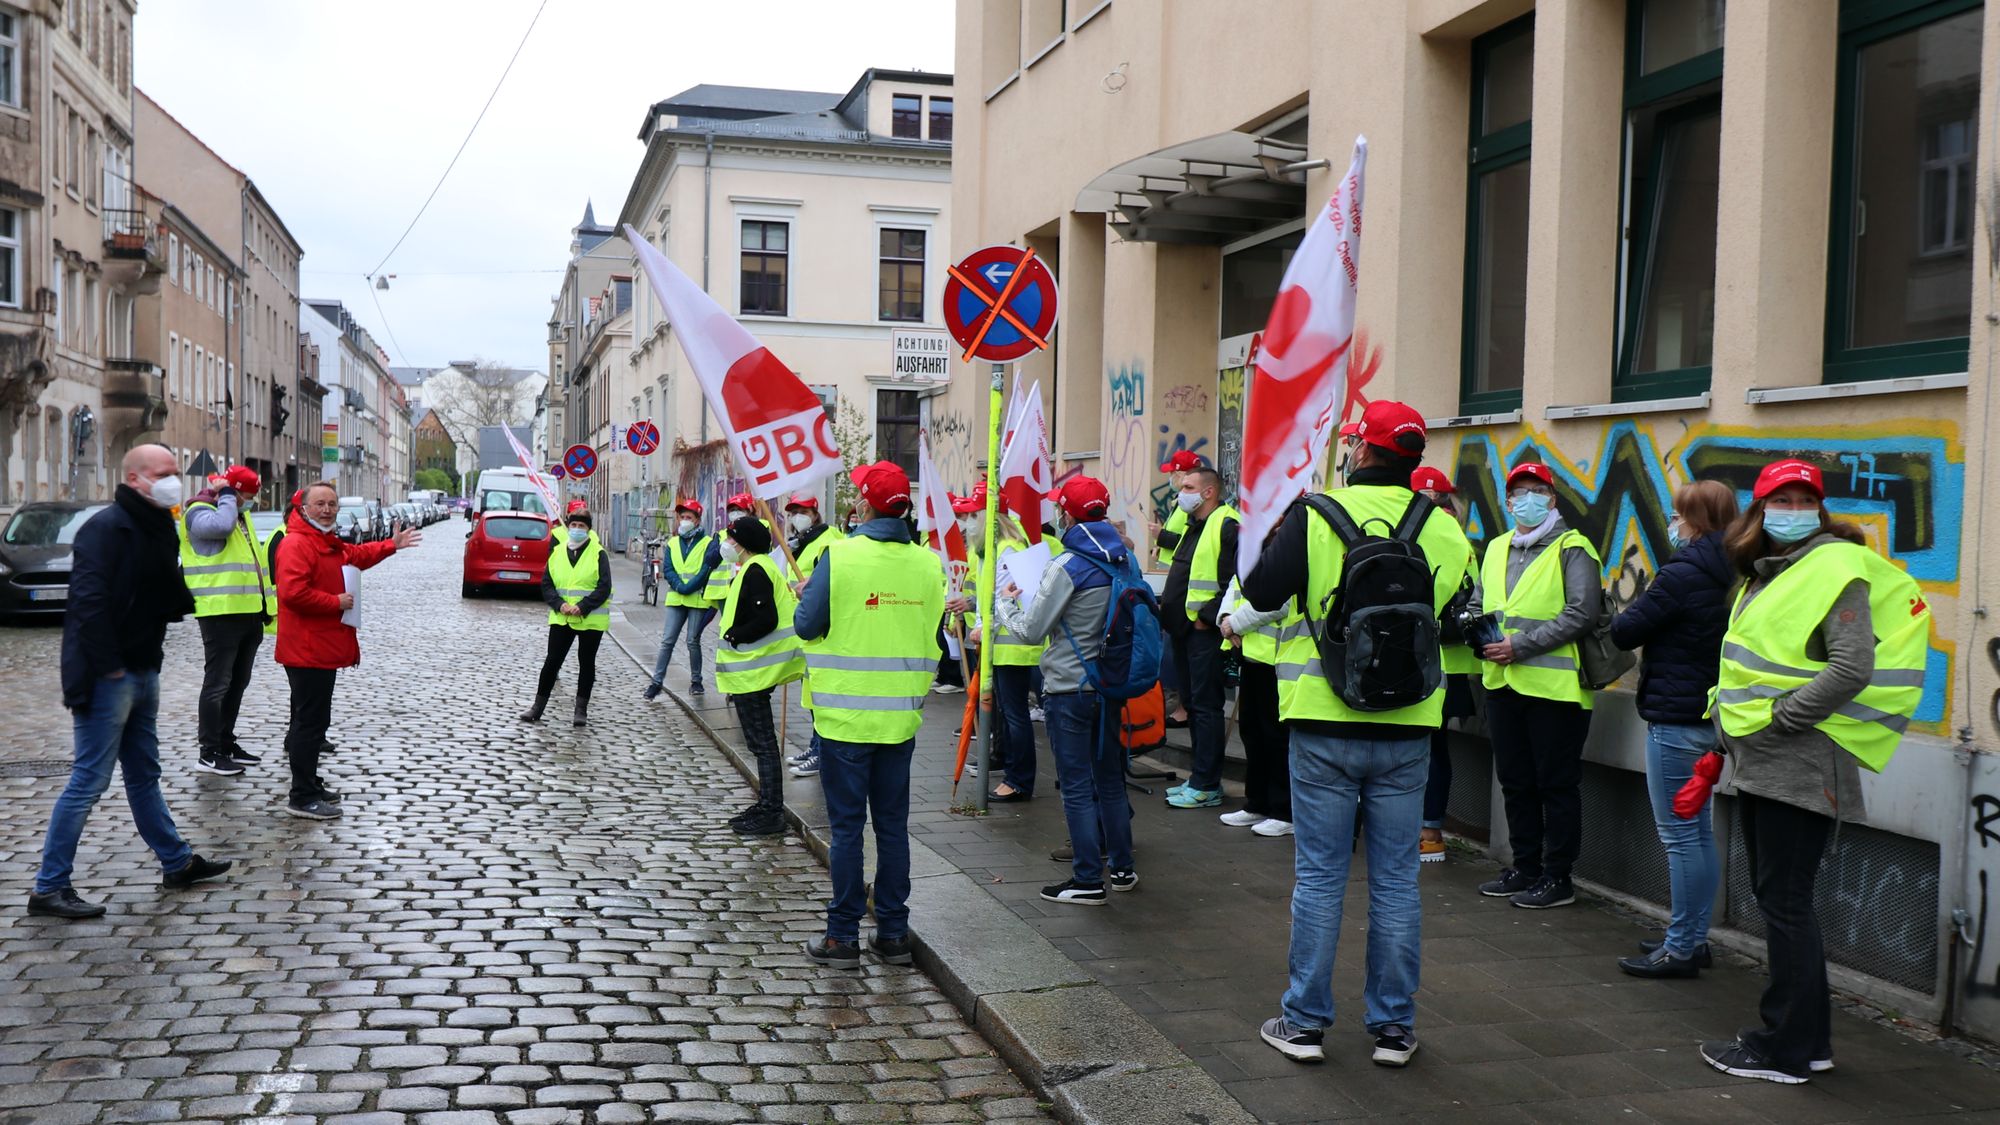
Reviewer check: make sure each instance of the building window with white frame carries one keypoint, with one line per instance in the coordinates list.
(56, 287)
(10, 258)
(766, 258)
(900, 275)
(10, 57)
(174, 366)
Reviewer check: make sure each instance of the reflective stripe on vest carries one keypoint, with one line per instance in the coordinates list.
(575, 581)
(1303, 690)
(1204, 579)
(1764, 653)
(232, 580)
(685, 562)
(872, 670)
(1008, 649)
(1537, 599)
(1177, 522)
(776, 657)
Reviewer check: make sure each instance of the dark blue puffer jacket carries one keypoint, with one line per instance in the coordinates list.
(1680, 620)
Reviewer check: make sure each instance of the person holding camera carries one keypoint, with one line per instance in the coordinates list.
(1542, 579)
(1460, 664)
(233, 599)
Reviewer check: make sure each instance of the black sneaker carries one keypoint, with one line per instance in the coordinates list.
(1295, 1043)
(1394, 1045)
(63, 903)
(695, 688)
(1121, 880)
(319, 808)
(1731, 1057)
(1548, 891)
(218, 762)
(762, 824)
(651, 693)
(1075, 893)
(1703, 957)
(326, 748)
(892, 951)
(1510, 883)
(834, 954)
(1659, 965)
(237, 752)
(198, 870)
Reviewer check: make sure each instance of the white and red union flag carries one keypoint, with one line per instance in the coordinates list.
(1025, 476)
(774, 422)
(935, 521)
(1301, 370)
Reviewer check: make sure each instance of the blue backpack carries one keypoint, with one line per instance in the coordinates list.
(1128, 661)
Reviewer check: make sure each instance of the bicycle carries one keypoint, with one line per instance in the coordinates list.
(649, 570)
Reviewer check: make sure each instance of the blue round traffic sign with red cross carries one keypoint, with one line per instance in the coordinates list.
(1000, 303)
(642, 438)
(580, 461)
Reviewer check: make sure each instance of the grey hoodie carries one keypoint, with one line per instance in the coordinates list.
(1060, 604)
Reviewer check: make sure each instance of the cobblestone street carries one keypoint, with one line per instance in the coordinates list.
(510, 924)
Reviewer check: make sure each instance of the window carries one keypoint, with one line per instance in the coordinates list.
(1673, 153)
(1496, 229)
(174, 258)
(73, 155)
(765, 249)
(906, 116)
(93, 170)
(10, 258)
(1899, 285)
(940, 119)
(902, 275)
(56, 287)
(174, 365)
(896, 426)
(10, 58)
(74, 14)
(87, 317)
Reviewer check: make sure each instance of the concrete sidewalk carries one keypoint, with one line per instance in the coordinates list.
(1523, 1016)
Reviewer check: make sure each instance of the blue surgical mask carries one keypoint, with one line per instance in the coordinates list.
(1529, 509)
(1677, 533)
(578, 536)
(1790, 525)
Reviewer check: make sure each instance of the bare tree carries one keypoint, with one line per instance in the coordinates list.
(467, 396)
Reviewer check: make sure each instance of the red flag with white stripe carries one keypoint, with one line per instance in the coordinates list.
(935, 521)
(1025, 476)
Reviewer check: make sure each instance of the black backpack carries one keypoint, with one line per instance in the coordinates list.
(1378, 633)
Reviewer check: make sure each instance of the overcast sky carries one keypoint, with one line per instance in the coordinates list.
(346, 111)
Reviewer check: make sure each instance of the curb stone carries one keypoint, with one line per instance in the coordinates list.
(1077, 1045)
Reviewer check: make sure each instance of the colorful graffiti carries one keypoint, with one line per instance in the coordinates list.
(1901, 481)
(709, 474)
(1128, 389)
(1185, 397)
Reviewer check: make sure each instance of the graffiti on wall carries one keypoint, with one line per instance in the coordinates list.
(708, 473)
(1902, 482)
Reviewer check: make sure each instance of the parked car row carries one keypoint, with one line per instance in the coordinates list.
(505, 549)
(35, 556)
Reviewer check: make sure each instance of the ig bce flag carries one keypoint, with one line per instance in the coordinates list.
(773, 421)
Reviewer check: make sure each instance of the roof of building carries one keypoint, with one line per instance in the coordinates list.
(410, 376)
(750, 111)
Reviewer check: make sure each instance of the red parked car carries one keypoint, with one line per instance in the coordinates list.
(505, 549)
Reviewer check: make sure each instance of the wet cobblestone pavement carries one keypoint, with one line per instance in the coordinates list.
(510, 923)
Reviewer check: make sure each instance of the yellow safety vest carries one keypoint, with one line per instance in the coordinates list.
(1260, 645)
(1764, 652)
(575, 581)
(1204, 581)
(717, 590)
(1303, 689)
(1177, 523)
(1459, 659)
(814, 549)
(873, 668)
(1535, 600)
(685, 562)
(233, 580)
(775, 658)
(1008, 649)
(271, 568)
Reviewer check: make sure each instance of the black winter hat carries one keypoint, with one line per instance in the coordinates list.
(751, 535)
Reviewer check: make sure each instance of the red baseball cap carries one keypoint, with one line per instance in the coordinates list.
(1533, 469)
(1393, 426)
(1349, 430)
(1182, 461)
(884, 485)
(576, 506)
(740, 500)
(1427, 479)
(688, 506)
(801, 500)
(965, 505)
(1778, 474)
(1083, 498)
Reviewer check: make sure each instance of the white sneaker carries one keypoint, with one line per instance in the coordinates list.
(1037, 715)
(942, 688)
(1241, 818)
(1272, 828)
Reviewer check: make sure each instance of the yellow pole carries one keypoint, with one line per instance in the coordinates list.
(988, 586)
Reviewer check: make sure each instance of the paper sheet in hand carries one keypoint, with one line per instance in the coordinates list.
(351, 576)
(1024, 569)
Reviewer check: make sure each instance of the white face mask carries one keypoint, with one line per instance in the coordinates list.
(801, 521)
(730, 550)
(736, 514)
(166, 492)
(326, 528)
(969, 526)
(687, 525)
(1188, 501)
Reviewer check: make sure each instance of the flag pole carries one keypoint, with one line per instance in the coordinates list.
(777, 538)
(988, 589)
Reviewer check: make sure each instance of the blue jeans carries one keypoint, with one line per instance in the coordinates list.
(119, 725)
(862, 780)
(1694, 871)
(1331, 778)
(1090, 767)
(678, 618)
(1014, 734)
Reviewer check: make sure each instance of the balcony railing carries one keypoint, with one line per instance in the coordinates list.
(130, 234)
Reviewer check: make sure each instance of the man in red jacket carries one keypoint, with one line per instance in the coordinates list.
(313, 642)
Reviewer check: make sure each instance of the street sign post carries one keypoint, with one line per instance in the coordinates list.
(1000, 304)
(920, 353)
(580, 461)
(642, 438)
(557, 471)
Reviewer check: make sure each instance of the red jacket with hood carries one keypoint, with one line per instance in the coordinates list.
(310, 634)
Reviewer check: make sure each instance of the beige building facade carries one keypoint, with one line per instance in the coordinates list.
(1644, 242)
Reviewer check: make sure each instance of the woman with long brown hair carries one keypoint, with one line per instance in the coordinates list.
(1822, 667)
(1680, 620)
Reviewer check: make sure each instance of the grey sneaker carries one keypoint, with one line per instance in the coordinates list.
(316, 809)
(1295, 1043)
(1394, 1045)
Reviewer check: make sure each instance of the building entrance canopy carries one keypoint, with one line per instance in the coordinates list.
(1209, 192)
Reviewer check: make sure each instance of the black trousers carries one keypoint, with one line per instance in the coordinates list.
(1203, 699)
(229, 651)
(1538, 756)
(1267, 780)
(312, 712)
(1785, 844)
(753, 713)
(560, 638)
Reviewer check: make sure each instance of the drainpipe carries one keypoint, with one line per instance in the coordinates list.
(707, 197)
